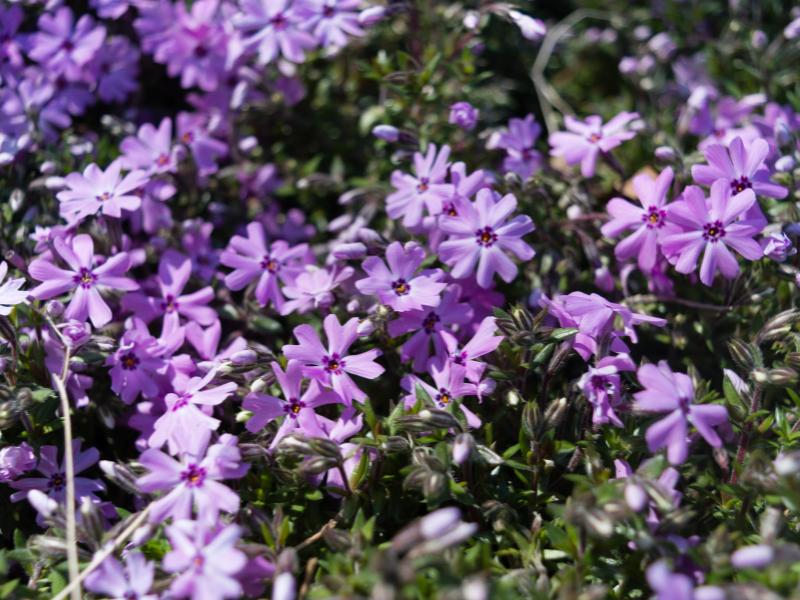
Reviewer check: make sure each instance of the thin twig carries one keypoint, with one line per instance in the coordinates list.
(744, 437)
(315, 537)
(651, 298)
(548, 96)
(101, 555)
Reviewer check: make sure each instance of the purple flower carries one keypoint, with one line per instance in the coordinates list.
(275, 29)
(174, 271)
(531, 29)
(397, 285)
(331, 21)
(585, 140)
(185, 425)
(483, 342)
(54, 482)
(638, 489)
(669, 585)
(333, 366)
(313, 289)
(251, 258)
(464, 115)
(63, 46)
(776, 246)
(426, 189)
(753, 557)
(97, 191)
(206, 149)
(196, 243)
(206, 560)
(151, 149)
(10, 293)
(132, 582)
(430, 326)
(710, 228)
(448, 387)
(603, 389)
(480, 234)
(138, 364)
(649, 222)
(191, 482)
(673, 393)
(83, 277)
(116, 70)
(297, 406)
(518, 142)
(741, 167)
(16, 460)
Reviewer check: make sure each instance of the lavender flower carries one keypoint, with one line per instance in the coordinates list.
(776, 246)
(333, 366)
(666, 391)
(397, 285)
(518, 141)
(97, 191)
(83, 277)
(650, 221)
(426, 190)
(131, 582)
(64, 46)
(585, 140)
(16, 460)
(313, 289)
(205, 559)
(193, 481)
(274, 27)
(331, 21)
(480, 234)
(252, 258)
(710, 228)
(138, 364)
(448, 387)
(151, 149)
(10, 293)
(603, 389)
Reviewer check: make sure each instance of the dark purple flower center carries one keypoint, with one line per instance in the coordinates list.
(486, 237)
(429, 323)
(713, 231)
(279, 22)
(460, 358)
(328, 11)
(741, 184)
(293, 407)
(527, 154)
(600, 383)
(401, 287)
(450, 210)
(67, 46)
(683, 405)
(105, 196)
(270, 264)
(595, 137)
(422, 186)
(333, 364)
(57, 482)
(444, 397)
(129, 361)
(193, 475)
(188, 137)
(169, 304)
(654, 218)
(162, 160)
(200, 51)
(85, 278)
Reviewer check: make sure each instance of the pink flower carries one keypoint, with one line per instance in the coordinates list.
(480, 233)
(650, 221)
(313, 288)
(397, 285)
(151, 149)
(710, 228)
(585, 140)
(97, 191)
(449, 387)
(424, 190)
(83, 277)
(332, 366)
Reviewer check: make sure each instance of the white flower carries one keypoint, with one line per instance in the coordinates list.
(10, 293)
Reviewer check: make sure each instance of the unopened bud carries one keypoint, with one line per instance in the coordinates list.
(440, 419)
(370, 16)
(365, 328)
(462, 448)
(351, 251)
(54, 308)
(387, 133)
(244, 357)
(666, 154)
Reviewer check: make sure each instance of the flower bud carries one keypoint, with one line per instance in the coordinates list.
(666, 154)
(440, 419)
(635, 497)
(43, 504)
(787, 464)
(753, 557)
(365, 328)
(244, 357)
(370, 16)
(387, 133)
(759, 39)
(54, 308)
(351, 251)
(76, 333)
(462, 448)
(785, 164)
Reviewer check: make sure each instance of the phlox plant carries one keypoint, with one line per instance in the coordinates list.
(376, 299)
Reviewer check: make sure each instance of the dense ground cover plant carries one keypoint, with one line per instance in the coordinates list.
(344, 298)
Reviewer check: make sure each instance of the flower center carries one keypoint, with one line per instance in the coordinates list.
(85, 278)
(270, 264)
(401, 287)
(450, 210)
(198, 562)
(170, 304)
(429, 323)
(328, 11)
(595, 137)
(422, 186)
(333, 364)
(188, 137)
(129, 361)
(103, 197)
(486, 237)
(194, 476)
(278, 22)
(741, 184)
(460, 358)
(162, 160)
(712, 232)
(654, 218)
(182, 401)
(443, 397)
(57, 482)
(600, 383)
(293, 407)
